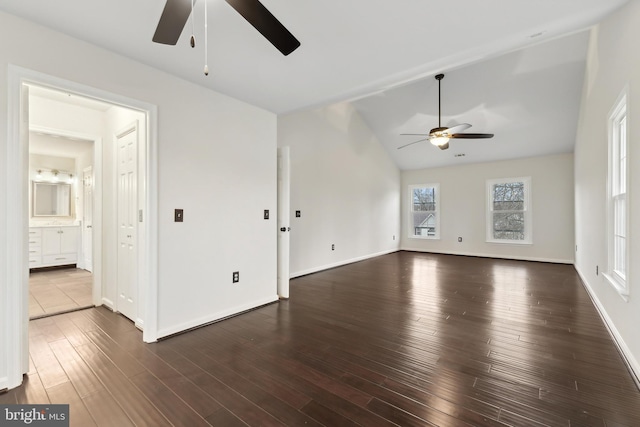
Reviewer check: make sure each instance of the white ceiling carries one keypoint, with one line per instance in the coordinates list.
(383, 53)
(529, 99)
(58, 146)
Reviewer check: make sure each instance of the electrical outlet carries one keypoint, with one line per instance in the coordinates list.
(266, 214)
(459, 239)
(333, 247)
(236, 276)
(178, 215)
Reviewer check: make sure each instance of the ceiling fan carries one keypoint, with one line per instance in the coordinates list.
(176, 13)
(440, 136)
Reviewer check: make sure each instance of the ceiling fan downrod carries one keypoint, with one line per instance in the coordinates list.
(439, 77)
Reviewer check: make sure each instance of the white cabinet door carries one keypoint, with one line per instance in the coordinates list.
(50, 241)
(68, 240)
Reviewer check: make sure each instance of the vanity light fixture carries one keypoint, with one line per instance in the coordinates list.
(39, 174)
(55, 175)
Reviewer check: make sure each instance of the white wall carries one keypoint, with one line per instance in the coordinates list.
(345, 185)
(463, 208)
(216, 160)
(613, 63)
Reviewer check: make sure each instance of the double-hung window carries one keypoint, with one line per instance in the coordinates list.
(509, 210)
(617, 216)
(424, 211)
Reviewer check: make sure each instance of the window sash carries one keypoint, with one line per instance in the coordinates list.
(426, 203)
(617, 269)
(508, 199)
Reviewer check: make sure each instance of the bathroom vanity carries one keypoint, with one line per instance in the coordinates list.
(53, 245)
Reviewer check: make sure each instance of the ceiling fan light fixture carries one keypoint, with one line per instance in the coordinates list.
(439, 140)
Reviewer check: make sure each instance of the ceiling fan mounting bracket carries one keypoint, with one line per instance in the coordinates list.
(439, 77)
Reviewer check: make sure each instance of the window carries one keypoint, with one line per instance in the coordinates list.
(424, 212)
(617, 216)
(509, 210)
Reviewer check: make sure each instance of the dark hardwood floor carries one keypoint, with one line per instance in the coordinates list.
(406, 339)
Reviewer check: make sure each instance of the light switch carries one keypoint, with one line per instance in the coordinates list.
(266, 214)
(298, 214)
(178, 215)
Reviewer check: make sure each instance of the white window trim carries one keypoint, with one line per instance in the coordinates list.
(437, 211)
(620, 108)
(528, 221)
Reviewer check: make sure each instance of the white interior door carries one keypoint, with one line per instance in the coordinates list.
(284, 225)
(127, 143)
(87, 218)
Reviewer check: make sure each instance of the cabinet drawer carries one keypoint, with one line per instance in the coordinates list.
(35, 251)
(35, 241)
(35, 232)
(34, 261)
(59, 259)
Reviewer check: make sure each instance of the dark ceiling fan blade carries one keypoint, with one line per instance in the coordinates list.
(172, 21)
(267, 24)
(414, 142)
(472, 135)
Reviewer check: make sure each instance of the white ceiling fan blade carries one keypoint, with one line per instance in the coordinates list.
(458, 128)
(414, 142)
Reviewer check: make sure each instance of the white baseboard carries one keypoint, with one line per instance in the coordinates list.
(627, 355)
(109, 303)
(171, 330)
(339, 263)
(495, 256)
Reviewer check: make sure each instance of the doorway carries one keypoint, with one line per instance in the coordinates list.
(59, 280)
(16, 303)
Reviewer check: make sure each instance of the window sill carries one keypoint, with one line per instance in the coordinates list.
(511, 242)
(620, 287)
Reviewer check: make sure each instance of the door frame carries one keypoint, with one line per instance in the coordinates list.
(83, 232)
(284, 221)
(14, 311)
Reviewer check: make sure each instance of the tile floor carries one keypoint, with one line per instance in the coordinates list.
(59, 290)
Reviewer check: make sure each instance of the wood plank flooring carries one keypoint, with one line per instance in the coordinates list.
(405, 339)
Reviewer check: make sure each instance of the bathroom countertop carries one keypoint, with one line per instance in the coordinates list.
(51, 224)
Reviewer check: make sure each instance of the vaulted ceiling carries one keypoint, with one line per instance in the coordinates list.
(513, 67)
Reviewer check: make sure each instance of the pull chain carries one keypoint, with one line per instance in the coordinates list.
(206, 38)
(193, 25)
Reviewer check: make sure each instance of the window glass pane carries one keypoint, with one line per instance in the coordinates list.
(424, 211)
(424, 224)
(620, 256)
(508, 196)
(508, 226)
(424, 199)
(619, 210)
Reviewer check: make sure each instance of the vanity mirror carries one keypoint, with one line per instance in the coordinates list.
(51, 199)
